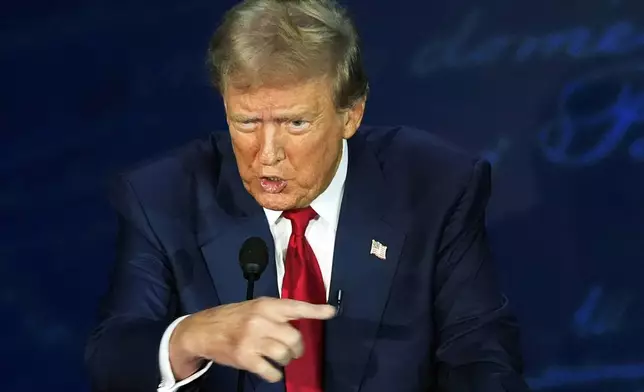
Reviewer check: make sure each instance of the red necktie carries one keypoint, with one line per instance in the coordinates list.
(303, 282)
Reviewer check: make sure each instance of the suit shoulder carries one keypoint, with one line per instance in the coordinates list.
(428, 172)
(420, 151)
(167, 182)
(163, 170)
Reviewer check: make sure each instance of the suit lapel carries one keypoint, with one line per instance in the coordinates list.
(365, 280)
(234, 218)
(222, 258)
(226, 225)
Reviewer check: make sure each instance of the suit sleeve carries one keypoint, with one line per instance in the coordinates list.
(123, 350)
(478, 343)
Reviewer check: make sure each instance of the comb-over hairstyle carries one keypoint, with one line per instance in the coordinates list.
(275, 42)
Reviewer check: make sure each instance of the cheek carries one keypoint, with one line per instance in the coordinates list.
(312, 162)
(245, 150)
(245, 153)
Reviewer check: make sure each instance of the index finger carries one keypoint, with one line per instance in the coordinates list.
(290, 309)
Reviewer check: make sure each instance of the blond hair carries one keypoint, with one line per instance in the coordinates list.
(281, 41)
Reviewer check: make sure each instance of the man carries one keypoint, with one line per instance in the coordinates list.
(384, 224)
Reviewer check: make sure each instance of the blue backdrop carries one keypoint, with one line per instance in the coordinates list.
(551, 91)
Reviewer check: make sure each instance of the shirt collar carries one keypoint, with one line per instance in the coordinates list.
(328, 203)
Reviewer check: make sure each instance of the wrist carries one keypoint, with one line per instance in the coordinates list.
(183, 361)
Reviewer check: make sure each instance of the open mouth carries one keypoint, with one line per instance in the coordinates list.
(272, 184)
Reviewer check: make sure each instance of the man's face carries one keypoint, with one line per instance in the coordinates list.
(288, 140)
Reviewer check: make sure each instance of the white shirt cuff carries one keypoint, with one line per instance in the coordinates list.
(168, 383)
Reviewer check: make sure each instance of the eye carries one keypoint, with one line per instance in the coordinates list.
(299, 124)
(247, 125)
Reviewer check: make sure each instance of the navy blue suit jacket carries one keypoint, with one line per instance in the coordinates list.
(428, 318)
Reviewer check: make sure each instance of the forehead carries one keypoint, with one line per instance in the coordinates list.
(308, 95)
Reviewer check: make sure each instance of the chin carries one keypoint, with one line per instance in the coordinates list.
(275, 202)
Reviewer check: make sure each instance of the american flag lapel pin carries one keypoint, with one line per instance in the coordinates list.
(379, 250)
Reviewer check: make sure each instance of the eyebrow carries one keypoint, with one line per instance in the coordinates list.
(237, 117)
(243, 117)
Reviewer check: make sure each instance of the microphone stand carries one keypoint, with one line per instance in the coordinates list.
(250, 287)
(253, 259)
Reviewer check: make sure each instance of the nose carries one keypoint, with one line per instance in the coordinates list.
(271, 150)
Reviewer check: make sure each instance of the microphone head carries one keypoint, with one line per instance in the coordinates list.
(253, 257)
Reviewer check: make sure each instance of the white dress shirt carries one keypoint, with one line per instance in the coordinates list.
(321, 236)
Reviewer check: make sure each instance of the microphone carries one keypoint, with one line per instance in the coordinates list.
(253, 259)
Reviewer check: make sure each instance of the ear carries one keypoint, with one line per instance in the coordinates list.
(224, 99)
(353, 118)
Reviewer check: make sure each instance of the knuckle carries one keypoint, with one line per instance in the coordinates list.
(277, 351)
(294, 337)
(261, 302)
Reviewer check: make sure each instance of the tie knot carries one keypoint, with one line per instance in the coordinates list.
(300, 219)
